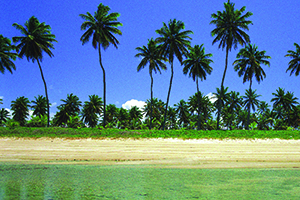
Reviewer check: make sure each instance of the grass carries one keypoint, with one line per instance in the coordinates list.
(57, 132)
(144, 182)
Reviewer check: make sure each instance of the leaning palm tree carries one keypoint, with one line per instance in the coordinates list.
(6, 55)
(248, 64)
(36, 40)
(250, 101)
(197, 65)
(150, 55)
(230, 31)
(101, 28)
(174, 42)
(294, 64)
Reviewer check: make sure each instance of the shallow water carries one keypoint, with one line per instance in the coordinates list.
(145, 182)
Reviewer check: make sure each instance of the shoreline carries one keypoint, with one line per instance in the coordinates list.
(163, 153)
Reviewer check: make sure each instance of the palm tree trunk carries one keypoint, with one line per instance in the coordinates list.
(222, 88)
(151, 103)
(104, 87)
(46, 92)
(199, 114)
(168, 97)
(248, 117)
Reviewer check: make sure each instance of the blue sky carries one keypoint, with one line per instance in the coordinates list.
(75, 68)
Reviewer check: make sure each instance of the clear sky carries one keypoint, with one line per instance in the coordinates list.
(75, 68)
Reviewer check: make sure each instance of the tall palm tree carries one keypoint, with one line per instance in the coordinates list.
(294, 64)
(150, 55)
(198, 66)
(6, 55)
(250, 101)
(101, 27)
(36, 40)
(20, 109)
(39, 106)
(231, 25)
(248, 64)
(91, 110)
(174, 42)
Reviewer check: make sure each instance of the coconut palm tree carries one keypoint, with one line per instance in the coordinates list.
(231, 25)
(174, 41)
(198, 66)
(250, 101)
(6, 55)
(36, 39)
(222, 97)
(248, 64)
(294, 64)
(4, 116)
(150, 55)
(92, 110)
(101, 27)
(181, 109)
(135, 117)
(20, 109)
(123, 118)
(233, 106)
(69, 108)
(39, 106)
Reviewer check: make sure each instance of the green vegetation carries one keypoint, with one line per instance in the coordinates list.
(57, 132)
(232, 111)
(145, 182)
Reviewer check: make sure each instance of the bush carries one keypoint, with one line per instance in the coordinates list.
(38, 121)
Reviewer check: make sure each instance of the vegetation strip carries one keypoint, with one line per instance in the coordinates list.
(58, 132)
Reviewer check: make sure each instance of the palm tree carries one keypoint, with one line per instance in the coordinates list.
(174, 42)
(135, 116)
(284, 101)
(6, 56)
(233, 105)
(69, 108)
(150, 55)
(222, 97)
(248, 64)
(112, 113)
(250, 101)
(182, 113)
(294, 64)
(4, 116)
(157, 111)
(198, 66)
(91, 110)
(20, 109)
(230, 27)
(36, 40)
(101, 28)
(39, 106)
(123, 118)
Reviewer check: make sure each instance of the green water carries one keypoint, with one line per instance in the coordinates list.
(144, 182)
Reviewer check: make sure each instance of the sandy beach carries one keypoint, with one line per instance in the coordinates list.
(174, 153)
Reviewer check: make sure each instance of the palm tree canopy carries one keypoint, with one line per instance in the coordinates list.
(36, 40)
(173, 40)
(6, 56)
(71, 105)
(230, 26)
(198, 63)
(249, 61)
(294, 64)
(222, 96)
(101, 27)
(150, 55)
